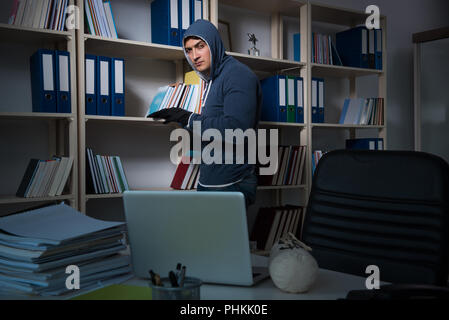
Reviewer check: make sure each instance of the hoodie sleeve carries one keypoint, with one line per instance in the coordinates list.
(240, 90)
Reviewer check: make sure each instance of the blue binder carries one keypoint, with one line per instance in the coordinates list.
(274, 104)
(315, 115)
(165, 28)
(91, 82)
(184, 16)
(117, 87)
(352, 45)
(378, 48)
(43, 88)
(365, 144)
(299, 98)
(297, 47)
(196, 10)
(62, 76)
(104, 86)
(321, 104)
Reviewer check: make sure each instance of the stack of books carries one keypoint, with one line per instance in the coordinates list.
(37, 246)
(189, 97)
(100, 20)
(45, 177)
(290, 167)
(274, 223)
(363, 111)
(323, 50)
(105, 174)
(43, 14)
(187, 175)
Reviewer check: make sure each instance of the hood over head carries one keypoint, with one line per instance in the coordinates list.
(208, 33)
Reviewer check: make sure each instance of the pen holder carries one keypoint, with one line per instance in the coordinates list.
(189, 291)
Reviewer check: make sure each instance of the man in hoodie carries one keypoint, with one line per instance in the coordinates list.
(232, 100)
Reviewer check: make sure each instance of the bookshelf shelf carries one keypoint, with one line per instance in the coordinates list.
(344, 126)
(282, 124)
(266, 64)
(327, 70)
(131, 48)
(18, 34)
(36, 115)
(148, 121)
(285, 7)
(5, 199)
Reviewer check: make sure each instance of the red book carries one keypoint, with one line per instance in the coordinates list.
(180, 173)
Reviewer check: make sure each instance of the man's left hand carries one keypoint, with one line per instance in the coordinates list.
(172, 115)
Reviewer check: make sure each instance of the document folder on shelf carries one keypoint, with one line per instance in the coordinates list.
(63, 92)
(299, 100)
(165, 22)
(185, 16)
(274, 107)
(103, 90)
(117, 87)
(91, 84)
(42, 81)
(315, 115)
(290, 94)
(320, 100)
(352, 45)
(378, 48)
(196, 10)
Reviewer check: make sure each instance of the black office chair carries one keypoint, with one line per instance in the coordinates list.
(384, 208)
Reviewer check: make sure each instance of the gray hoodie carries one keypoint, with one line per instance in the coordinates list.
(233, 101)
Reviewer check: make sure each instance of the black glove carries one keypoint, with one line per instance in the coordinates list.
(172, 115)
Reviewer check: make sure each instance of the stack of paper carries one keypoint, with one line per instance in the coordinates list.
(37, 246)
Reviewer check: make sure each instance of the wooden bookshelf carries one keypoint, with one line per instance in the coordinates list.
(305, 12)
(5, 199)
(60, 136)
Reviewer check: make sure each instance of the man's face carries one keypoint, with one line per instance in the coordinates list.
(199, 53)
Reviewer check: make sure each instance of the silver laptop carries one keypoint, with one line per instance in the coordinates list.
(205, 231)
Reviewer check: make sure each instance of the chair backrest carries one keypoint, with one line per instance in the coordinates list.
(384, 208)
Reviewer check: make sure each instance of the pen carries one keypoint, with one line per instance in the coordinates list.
(172, 277)
(182, 276)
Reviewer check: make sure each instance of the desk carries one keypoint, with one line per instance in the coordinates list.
(329, 285)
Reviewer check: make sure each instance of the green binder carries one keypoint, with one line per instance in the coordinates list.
(118, 292)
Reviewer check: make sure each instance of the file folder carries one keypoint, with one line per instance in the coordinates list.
(103, 90)
(165, 22)
(43, 88)
(297, 47)
(365, 144)
(117, 87)
(352, 45)
(196, 10)
(299, 100)
(185, 16)
(290, 94)
(378, 48)
(91, 84)
(371, 49)
(63, 92)
(274, 102)
(320, 100)
(315, 116)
